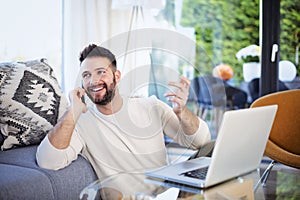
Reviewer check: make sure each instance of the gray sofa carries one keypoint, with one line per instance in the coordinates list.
(31, 102)
(22, 178)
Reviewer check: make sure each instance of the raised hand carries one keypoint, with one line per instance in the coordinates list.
(179, 96)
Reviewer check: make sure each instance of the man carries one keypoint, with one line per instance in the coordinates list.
(118, 134)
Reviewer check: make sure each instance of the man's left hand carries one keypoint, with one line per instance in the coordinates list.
(179, 96)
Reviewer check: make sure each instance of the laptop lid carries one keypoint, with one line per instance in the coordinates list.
(239, 148)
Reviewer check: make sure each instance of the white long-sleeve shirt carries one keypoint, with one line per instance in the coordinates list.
(130, 140)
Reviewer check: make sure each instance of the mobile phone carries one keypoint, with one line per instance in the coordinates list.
(82, 97)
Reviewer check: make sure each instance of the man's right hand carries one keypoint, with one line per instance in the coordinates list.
(60, 135)
(76, 103)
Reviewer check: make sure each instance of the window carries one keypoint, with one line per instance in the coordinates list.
(31, 29)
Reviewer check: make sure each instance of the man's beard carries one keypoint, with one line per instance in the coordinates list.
(109, 95)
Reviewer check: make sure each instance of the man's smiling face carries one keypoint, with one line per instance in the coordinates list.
(98, 78)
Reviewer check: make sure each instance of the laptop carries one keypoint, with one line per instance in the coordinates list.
(238, 150)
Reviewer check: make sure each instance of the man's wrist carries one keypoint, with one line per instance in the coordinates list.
(189, 122)
(74, 113)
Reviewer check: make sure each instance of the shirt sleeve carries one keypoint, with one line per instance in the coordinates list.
(173, 129)
(49, 157)
(198, 139)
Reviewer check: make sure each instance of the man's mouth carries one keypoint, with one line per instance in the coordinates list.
(97, 88)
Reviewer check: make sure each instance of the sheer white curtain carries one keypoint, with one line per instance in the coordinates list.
(86, 22)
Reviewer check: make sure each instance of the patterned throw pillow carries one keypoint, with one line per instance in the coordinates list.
(31, 102)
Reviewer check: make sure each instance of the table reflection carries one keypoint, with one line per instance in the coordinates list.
(137, 186)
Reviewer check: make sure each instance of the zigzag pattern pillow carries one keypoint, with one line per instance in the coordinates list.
(31, 102)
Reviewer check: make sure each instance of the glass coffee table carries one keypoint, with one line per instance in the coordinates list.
(137, 186)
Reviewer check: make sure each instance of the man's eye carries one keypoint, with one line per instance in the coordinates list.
(85, 76)
(101, 72)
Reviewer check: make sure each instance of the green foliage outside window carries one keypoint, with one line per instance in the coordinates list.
(222, 28)
(290, 31)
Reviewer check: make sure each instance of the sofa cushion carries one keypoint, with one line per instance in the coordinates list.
(31, 102)
(24, 157)
(66, 183)
(24, 183)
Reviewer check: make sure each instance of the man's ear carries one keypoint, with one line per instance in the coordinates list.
(118, 76)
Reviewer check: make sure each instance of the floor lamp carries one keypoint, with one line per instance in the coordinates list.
(136, 9)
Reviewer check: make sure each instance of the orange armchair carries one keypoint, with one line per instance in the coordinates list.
(283, 145)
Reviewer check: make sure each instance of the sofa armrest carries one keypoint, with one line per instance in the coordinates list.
(66, 183)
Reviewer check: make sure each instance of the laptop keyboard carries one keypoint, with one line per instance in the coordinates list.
(197, 173)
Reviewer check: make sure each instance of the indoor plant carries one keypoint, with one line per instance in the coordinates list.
(250, 56)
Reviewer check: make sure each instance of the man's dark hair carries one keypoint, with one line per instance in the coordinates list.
(93, 51)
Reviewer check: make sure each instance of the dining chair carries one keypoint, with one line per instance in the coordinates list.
(236, 98)
(253, 87)
(214, 96)
(283, 145)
